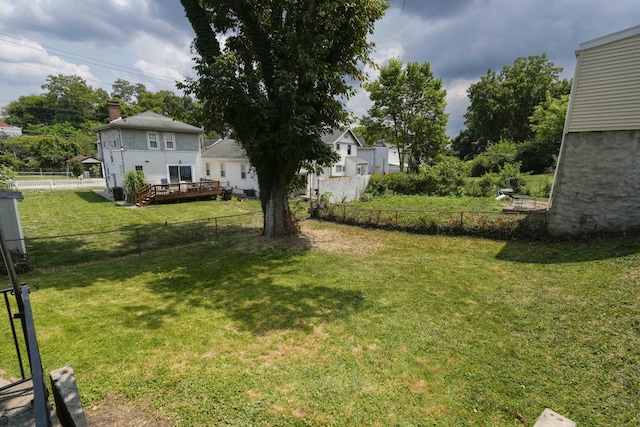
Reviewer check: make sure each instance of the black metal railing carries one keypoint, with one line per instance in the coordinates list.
(41, 412)
(5, 294)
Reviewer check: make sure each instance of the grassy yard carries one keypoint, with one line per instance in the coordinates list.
(53, 213)
(347, 327)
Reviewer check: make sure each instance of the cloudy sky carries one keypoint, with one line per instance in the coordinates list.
(145, 41)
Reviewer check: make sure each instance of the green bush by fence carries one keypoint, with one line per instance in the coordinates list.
(495, 225)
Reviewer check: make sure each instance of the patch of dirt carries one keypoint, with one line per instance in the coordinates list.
(331, 239)
(335, 240)
(116, 411)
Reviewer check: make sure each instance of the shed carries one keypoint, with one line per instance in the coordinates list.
(598, 173)
(10, 221)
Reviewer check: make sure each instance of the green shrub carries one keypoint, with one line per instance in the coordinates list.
(7, 176)
(133, 180)
(494, 158)
(536, 156)
(76, 168)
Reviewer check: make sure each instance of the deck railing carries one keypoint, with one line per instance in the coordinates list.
(177, 190)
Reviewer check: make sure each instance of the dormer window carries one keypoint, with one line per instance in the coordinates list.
(349, 149)
(337, 147)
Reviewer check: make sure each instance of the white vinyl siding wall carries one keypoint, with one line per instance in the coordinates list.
(606, 90)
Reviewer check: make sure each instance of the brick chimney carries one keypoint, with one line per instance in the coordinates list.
(114, 110)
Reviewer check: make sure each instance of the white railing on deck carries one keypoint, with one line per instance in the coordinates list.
(58, 184)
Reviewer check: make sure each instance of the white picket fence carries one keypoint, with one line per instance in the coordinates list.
(58, 184)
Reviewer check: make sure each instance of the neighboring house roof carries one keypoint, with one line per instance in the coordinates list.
(152, 121)
(225, 149)
(336, 135)
(4, 125)
(84, 159)
(357, 160)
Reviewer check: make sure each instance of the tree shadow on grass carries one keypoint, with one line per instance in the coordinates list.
(91, 197)
(245, 277)
(570, 251)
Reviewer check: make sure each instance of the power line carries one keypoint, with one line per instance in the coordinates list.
(87, 59)
(46, 69)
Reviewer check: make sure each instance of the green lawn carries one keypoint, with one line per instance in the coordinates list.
(364, 327)
(53, 213)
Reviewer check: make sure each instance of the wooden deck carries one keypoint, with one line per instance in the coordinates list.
(164, 193)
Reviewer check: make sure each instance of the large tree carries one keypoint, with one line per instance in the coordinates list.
(279, 81)
(501, 103)
(408, 107)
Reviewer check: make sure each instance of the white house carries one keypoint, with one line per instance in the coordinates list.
(598, 173)
(166, 150)
(8, 130)
(377, 156)
(224, 160)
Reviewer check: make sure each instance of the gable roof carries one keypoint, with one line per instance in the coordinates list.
(150, 121)
(224, 149)
(336, 135)
(84, 159)
(6, 125)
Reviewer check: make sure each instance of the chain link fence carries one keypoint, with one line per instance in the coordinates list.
(44, 252)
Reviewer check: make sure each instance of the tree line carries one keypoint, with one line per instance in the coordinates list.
(514, 116)
(56, 125)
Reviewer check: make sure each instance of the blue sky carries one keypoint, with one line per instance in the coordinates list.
(145, 41)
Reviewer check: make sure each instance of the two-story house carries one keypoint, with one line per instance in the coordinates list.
(166, 150)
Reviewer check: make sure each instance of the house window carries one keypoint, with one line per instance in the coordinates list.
(169, 142)
(378, 169)
(338, 168)
(179, 173)
(223, 173)
(243, 171)
(349, 149)
(138, 168)
(111, 155)
(337, 147)
(208, 169)
(152, 139)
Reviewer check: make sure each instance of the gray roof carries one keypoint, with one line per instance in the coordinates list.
(224, 149)
(357, 160)
(152, 121)
(330, 138)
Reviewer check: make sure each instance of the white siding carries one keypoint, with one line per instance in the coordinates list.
(606, 91)
(233, 173)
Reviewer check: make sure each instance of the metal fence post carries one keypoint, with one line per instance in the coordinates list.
(461, 219)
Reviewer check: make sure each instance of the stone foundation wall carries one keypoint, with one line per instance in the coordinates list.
(597, 184)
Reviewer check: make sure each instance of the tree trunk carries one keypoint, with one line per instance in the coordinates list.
(276, 214)
(275, 207)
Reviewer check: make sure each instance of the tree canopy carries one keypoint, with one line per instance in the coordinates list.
(279, 81)
(501, 103)
(408, 109)
(57, 123)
